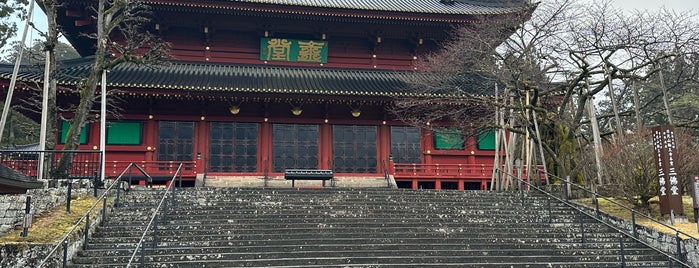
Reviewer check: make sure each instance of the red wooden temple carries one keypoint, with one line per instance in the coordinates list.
(254, 87)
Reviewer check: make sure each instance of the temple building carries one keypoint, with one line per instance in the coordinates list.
(254, 87)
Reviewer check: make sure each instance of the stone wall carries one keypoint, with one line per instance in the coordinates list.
(12, 206)
(30, 255)
(659, 240)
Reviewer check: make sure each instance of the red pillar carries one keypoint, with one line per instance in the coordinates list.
(325, 142)
(264, 147)
(150, 139)
(427, 145)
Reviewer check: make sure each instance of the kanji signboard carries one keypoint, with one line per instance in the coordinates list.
(292, 50)
(668, 182)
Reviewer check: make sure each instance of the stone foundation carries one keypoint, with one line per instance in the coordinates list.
(12, 206)
(279, 181)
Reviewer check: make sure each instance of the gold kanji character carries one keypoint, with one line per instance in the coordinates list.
(279, 49)
(310, 51)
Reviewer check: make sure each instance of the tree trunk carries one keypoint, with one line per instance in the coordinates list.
(87, 94)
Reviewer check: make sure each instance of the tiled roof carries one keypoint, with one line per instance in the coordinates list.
(458, 7)
(237, 78)
(13, 178)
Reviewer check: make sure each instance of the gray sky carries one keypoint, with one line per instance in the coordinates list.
(630, 5)
(678, 5)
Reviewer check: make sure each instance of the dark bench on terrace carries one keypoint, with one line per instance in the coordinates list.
(308, 174)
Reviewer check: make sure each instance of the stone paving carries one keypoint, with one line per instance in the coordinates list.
(280, 182)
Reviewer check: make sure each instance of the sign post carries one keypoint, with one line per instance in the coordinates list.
(669, 191)
(695, 196)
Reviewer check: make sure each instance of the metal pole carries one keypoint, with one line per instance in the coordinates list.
(548, 204)
(27, 217)
(155, 232)
(68, 198)
(103, 123)
(65, 252)
(521, 191)
(596, 206)
(94, 186)
(680, 256)
(87, 230)
(15, 72)
(104, 211)
(143, 255)
(118, 190)
(582, 227)
(621, 248)
(44, 115)
(633, 222)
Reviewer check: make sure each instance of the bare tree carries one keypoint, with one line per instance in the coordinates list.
(564, 57)
(630, 169)
(121, 37)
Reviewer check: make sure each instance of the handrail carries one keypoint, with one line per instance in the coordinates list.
(140, 244)
(386, 174)
(569, 204)
(633, 211)
(64, 241)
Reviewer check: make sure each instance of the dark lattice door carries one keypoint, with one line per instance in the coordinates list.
(294, 146)
(175, 140)
(233, 147)
(354, 149)
(405, 144)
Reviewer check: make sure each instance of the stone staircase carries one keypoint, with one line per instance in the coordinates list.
(339, 227)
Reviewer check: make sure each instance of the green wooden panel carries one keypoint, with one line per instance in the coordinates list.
(124, 133)
(293, 50)
(64, 133)
(486, 140)
(446, 139)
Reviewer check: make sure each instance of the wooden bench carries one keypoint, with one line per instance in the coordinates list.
(308, 174)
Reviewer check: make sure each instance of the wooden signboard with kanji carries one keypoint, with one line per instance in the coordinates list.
(669, 191)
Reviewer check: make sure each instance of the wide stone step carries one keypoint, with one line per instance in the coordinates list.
(343, 226)
(304, 253)
(220, 260)
(323, 228)
(291, 219)
(340, 227)
(225, 240)
(630, 248)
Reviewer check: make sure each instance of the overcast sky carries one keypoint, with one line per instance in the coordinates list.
(679, 5)
(630, 5)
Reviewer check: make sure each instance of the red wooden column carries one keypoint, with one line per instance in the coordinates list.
(325, 148)
(427, 141)
(264, 146)
(201, 147)
(471, 149)
(150, 139)
(384, 147)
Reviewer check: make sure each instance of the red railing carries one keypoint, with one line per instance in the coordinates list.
(456, 171)
(445, 171)
(86, 164)
(154, 168)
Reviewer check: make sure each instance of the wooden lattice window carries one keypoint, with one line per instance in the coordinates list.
(294, 146)
(233, 147)
(354, 149)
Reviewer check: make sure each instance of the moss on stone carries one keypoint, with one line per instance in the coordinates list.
(51, 226)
